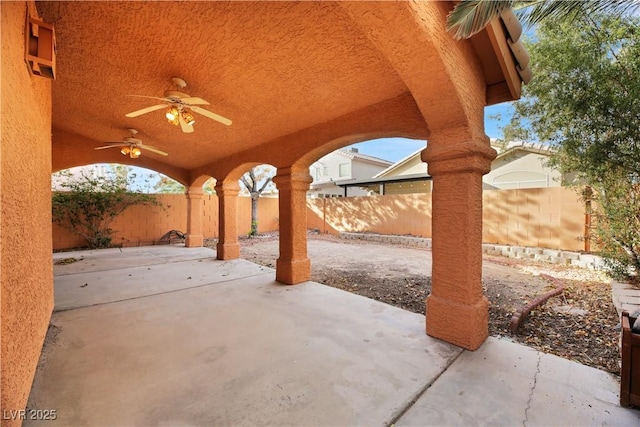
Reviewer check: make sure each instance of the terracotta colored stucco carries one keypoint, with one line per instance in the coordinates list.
(293, 266)
(298, 79)
(27, 274)
(195, 236)
(457, 310)
(228, 247)
(308, 75)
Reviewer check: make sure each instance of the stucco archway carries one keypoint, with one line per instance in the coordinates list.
(291, 76)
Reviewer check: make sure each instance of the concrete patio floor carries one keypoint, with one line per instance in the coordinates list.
(167, 335)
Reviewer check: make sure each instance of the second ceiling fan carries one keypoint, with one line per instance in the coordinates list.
(179, 107)
(131, 146)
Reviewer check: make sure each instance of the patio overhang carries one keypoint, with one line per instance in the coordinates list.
(383, 181)
(297, 79)
(273, 80)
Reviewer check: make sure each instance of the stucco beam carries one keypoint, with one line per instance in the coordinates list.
(444, 75)
(396, 117)
(71, 150)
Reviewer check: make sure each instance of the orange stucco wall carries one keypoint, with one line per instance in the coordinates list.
(141, 225)
(25, 223)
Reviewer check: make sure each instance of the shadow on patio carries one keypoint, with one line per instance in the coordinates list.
(167, 335)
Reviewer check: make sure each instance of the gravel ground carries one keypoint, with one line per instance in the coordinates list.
(579, 324)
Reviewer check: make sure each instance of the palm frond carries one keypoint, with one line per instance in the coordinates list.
(471, 16)
(570, 10)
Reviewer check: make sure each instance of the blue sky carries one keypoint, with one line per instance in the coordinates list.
(394, 149)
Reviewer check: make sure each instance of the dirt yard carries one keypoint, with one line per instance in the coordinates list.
(578, 325)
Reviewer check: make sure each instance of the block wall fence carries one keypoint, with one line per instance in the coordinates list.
(545, 217)
(142, 225)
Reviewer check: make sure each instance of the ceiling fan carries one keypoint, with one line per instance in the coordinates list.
(132, 146)
(179, 106)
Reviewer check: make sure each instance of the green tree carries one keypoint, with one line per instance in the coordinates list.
(471, 16)
(585, 100)
(515, 130)
(255, 182)
(209, 186)
(168, 185)
(86, 204)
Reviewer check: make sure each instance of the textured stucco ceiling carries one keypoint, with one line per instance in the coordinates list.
(273, 68)
(282, 71)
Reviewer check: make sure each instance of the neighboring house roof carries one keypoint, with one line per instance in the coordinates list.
(401, 178)
(355, 155)
(389, 171)
(533, 147)
(511, 148)
(367, 166)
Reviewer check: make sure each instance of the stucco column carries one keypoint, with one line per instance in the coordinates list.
(457, 310)
(228, 246)
(195, 236)
(293, 265)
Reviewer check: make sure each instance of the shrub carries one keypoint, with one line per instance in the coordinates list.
(87, 204)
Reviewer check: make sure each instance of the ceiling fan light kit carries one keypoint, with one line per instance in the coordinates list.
(172, 113)
(181, 107)
(188, 117)
(175, 114)
(133, 152)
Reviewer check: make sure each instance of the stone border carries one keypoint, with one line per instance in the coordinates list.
(420, 242)
(554, 256)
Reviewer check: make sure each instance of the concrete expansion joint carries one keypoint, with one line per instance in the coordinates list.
(172, 291)
(533, 387)
(98, 270)
(422, 391)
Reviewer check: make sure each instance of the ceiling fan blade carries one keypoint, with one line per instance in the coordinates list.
(186, 128)
(211, 115)
(153, 150)
(151, 97)
(145, 110)
(194, 100)
(111, 146)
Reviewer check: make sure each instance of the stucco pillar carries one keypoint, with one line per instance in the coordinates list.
(195, 236)
(228, 246)
(293, 265)
(457, 310)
